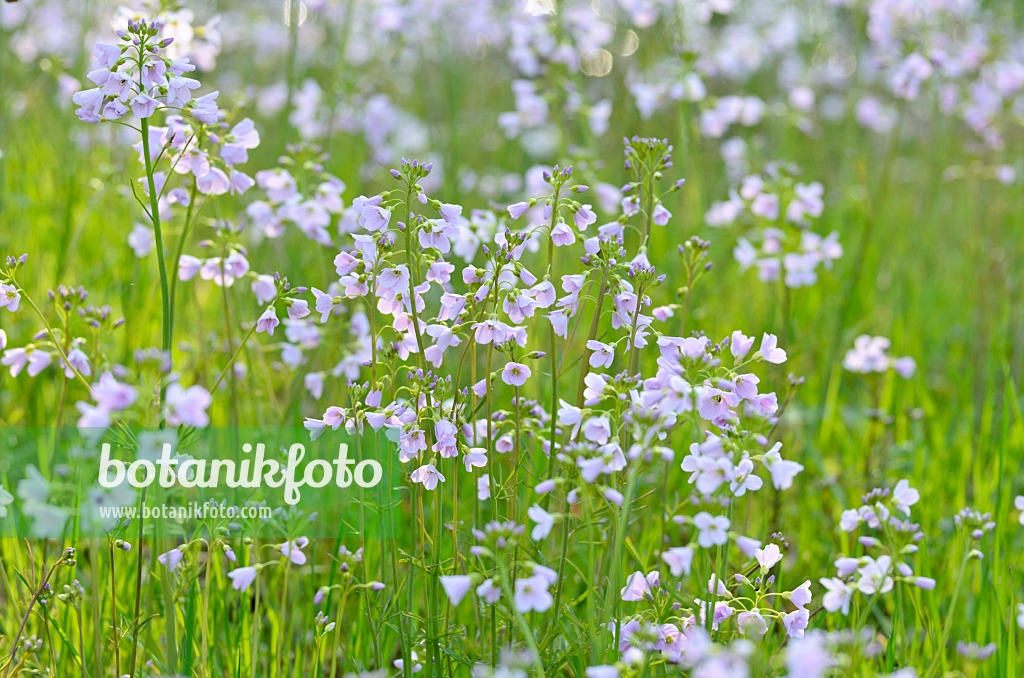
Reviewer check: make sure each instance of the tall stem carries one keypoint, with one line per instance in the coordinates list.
(585, 363)
(189, 215)
(154, 215)
(113, 613)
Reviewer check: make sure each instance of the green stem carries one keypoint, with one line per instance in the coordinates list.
(154, 215)
(585, 363)
(524, 628)
(617, 546)
(189, 214)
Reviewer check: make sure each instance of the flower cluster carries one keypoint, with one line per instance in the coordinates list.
(871, 354)
(780, 210)
(132, 75)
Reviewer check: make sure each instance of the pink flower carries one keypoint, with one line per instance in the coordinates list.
(515, 374)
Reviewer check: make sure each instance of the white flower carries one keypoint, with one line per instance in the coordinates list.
(456, 587)
(768, 557)
(545, 521)
(532, 594)
(904, 496)
(6, 498)
(679, 560)
(712, 529)
(838, 595)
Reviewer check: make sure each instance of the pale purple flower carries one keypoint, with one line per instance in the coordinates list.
(603, 354)
(450, 213)
(214, 182)
(583, 217)
(187, 406)
(768, 557)
(639, 587)
(781, 470)
(9, 297)
(38, 360)
(679, 560)
(456, 587)
(268, 321)
(112, 395)
(427, 475)
(78, 361)
(838, 594)
(532, 594)
(751, 622)
(171, 559)
(204, 109)
(545, 522)
(188, 266)
(143, 105)
(518, 209)
(488, 591)
(292, 550)
(904, 496)
(242, 577)
(515, 374)
(801, 595)
(770, 351)
(142, 240)
(743, 478)
(712, 529)
(796, 622)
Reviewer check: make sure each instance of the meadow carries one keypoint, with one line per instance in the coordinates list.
(688, 336)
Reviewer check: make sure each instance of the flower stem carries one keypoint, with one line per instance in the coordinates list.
(524, 627)
(154, 215)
